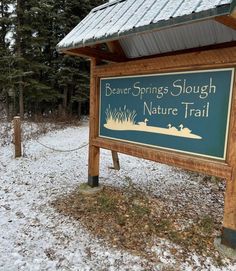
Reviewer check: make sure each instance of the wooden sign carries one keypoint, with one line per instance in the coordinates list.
(187, 112)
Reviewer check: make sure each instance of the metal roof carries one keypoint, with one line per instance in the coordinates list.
(121, 19)
(195, 35)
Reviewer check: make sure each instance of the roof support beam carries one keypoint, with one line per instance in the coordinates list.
(96, 53)
(227, 20)
(115, 47)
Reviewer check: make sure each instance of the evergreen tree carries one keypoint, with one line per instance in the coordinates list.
(5, 55)
(32, 69)
(71, 73)
(31, 66)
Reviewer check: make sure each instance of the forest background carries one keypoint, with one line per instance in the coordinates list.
(35, 80)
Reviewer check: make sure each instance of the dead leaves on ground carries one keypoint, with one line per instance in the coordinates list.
(130, 220)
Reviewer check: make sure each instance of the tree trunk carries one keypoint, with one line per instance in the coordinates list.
(79, 110)
(21, 100)
(19, 54)
(65, 101)
(7, 107)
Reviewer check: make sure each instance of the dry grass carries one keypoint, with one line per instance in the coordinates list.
(130, 220)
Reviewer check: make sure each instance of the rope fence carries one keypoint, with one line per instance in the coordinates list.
(57, 150)
(30, 132)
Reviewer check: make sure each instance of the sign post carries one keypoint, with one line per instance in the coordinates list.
(178, 110)
(94, 151)
(229, 223)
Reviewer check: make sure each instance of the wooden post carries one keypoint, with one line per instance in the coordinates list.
(229, 224)
(94, 152)
(115, 158)
(17, 136)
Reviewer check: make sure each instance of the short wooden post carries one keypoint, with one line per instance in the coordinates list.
(115, 158)
(94, 152)
(17, 136)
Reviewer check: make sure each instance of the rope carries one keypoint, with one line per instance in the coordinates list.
(57, 150)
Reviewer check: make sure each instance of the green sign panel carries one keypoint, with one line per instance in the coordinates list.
(186, 112)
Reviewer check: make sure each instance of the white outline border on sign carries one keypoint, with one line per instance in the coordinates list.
(172, 149)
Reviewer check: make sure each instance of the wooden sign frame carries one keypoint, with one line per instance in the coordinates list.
(185, 112)
(209, 59)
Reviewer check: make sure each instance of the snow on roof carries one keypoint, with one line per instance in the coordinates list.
(121, 18)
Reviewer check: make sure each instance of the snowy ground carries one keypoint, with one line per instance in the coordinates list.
(33, 236)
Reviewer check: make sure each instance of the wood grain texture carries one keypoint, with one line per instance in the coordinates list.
(230, 202)
(220, 58)
(188, 162)
(115, 159)
(94, 151)
(96, 53)
(227, 20)
(230, 194)
(115, 47)
(17, 136)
